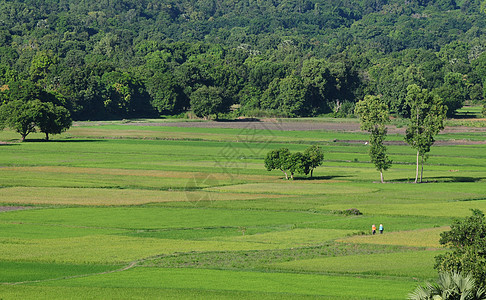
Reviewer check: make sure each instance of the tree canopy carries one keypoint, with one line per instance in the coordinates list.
(467, 242)
(291, 58)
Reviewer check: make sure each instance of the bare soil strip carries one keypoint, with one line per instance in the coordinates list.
(309, 126)
(10, 208)
(294, 126)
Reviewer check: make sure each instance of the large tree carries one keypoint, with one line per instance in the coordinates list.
(467, 240)
(313, 157)
(427, 115)
(207, 101)
(20, 116)
(278, 160)
(52, 119)
(374, 115)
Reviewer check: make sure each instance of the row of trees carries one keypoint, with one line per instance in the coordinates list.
(297, 162)
(426, 119)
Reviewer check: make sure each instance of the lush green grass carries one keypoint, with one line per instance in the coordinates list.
(408, 264)
(196, 208)
(11, 272)
(211, 280)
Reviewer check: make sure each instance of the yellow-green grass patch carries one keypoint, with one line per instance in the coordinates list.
(130, 172)
(408, 264)
(297, 188)
(434, 209)
(90, 196)
(110, 249)
(291, 238)
(415, 238)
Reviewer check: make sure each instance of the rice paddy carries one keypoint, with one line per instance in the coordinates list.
(115, 210)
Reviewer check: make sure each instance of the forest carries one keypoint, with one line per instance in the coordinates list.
(114, 59)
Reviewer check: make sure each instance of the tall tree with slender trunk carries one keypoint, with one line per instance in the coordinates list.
(374, 115)
(427, 115)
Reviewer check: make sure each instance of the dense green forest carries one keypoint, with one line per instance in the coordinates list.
(126, 58)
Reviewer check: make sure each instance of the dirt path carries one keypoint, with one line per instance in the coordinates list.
(294, 126)
(10, 208)
(309, 126)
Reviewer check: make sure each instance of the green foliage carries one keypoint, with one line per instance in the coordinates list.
(427, 116)
(208, 101)
(450, 286)
(296, 58)
(374, 116)
(20, 116)
(52, 119)
(298, 162)
(466, 239)
(277, 160)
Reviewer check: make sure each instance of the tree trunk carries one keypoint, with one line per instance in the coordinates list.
(292, 175)
(47, 137)
(381, 176)
(23, 138)
(417, 170)
(312, 170)
(422, 171)
(286, 176)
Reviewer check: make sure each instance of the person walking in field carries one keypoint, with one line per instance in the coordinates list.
(373, 229)
(381, 228)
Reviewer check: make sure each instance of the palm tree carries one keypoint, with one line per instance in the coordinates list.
(450, 286)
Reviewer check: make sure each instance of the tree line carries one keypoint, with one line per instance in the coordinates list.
(128, 59)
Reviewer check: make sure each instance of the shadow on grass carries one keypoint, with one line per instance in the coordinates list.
(319, 177)
(441, 179)
(62, 141)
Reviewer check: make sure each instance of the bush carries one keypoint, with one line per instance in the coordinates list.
(349, 212)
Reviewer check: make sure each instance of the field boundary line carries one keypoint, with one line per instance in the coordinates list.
(125, 268)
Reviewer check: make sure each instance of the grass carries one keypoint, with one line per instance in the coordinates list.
(200, 216)
(11, 272)
(402, 264)
(239, 281)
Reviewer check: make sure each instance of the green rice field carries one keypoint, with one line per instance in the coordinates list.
(117, 210)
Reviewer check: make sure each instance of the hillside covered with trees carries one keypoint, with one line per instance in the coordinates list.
(126, 58)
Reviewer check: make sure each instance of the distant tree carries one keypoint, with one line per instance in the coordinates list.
(427, 115)
(454, 92)
(20, 116)
(295, 163)
(167, 95)
(467, 240)
(298, 162)
(52, 119)
(207, 101)
(374, 115)
(313, 157)
(278, 160)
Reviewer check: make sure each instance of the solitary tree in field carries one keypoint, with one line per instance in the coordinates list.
(52, 119)
(374, 116)
(298, 162)
(427, 115)
(313, 157)
(278, 160)
(19, 116)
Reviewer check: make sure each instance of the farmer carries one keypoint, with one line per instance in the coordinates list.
(381, 228)
(373, 229)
